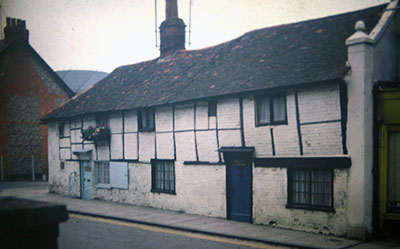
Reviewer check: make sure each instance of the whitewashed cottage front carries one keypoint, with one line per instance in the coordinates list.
(264, 128)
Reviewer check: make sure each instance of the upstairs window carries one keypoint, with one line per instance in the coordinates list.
(61, 129)
(163, 176)
(212, 108)
(271, 110)
(146, 120)
(310, 189)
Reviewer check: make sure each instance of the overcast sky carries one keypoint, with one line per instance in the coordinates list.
(104, 34)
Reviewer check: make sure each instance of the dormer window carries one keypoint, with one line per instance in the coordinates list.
(271, 110)
(146, 120)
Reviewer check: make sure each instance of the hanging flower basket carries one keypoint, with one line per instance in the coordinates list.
(96, 133)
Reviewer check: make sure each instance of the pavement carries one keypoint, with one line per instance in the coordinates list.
(188, 222)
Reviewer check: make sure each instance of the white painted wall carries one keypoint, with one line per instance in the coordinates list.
(200, 188)
(270, 198)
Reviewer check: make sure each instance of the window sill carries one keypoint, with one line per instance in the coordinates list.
(272, 124)
(163, 191)
(102, 185)
(146, 129)
(311, 208)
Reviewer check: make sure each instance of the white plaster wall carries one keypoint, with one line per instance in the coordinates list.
(53, 144)
(229, 138)
(116, 146)
(59, 179)
(65, 182)
(184, 117)
(163, 118)
(165, 145)
(322, 139)
(270, 199)
(202, 115)
(131, 151)
(319, 103)
(65, 142)
(146, 146)
(76, 136)
(185, 148)
(130, 121)
(199, 190)
(115, 122)
(207, 146)
(103, 150)
(228, 113)
(65, 154)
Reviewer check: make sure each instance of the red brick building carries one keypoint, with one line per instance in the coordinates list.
(29, 88)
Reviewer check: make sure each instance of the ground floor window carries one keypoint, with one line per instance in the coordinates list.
(163, 176)
(102, 172)
(310, 188)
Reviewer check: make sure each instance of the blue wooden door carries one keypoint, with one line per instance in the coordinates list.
(86, 180)
(239, 188)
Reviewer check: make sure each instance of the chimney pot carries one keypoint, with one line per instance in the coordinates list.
(15, 30)
(171, 9)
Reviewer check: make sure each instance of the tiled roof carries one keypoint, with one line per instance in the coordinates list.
(285, 55)
(4, 47)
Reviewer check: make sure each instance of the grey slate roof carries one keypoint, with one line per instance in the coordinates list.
(80, 80)
(279, 56)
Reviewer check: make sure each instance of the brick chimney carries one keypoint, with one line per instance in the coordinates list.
(172, 30)
(15, 30)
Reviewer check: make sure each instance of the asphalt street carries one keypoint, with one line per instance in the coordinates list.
(90, 232)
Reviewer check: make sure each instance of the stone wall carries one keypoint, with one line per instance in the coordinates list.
(29, 90)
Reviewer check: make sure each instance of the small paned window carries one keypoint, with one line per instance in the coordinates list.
(102, 171)
(146, 120)
(212, 108)
(271, 110)
(311, 189)
(62, 165)
(61, 129)
(163, 176)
